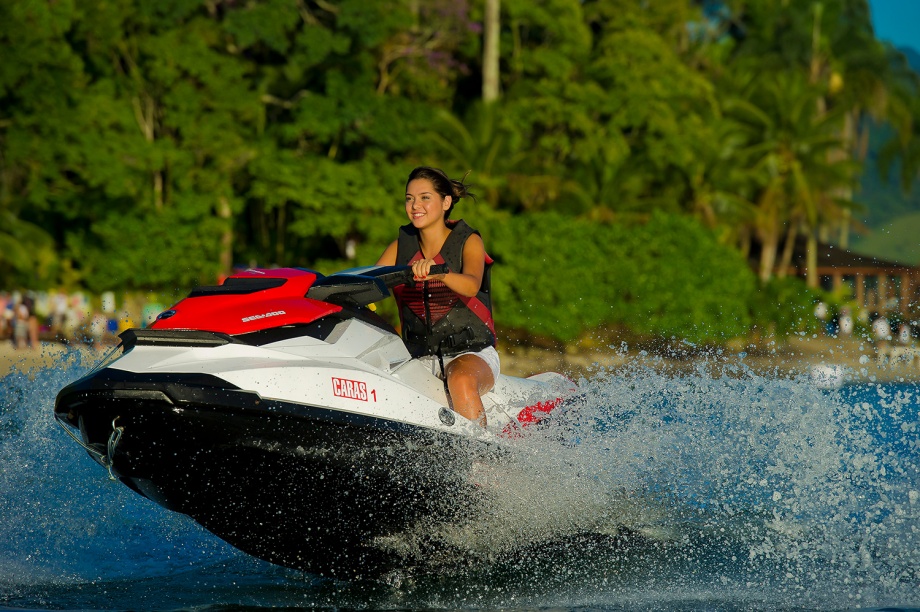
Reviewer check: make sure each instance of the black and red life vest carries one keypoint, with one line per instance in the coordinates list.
(435, 319)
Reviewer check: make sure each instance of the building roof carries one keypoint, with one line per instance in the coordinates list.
(830, 256)
(833, 258)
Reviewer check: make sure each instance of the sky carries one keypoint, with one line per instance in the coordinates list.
(897, 21)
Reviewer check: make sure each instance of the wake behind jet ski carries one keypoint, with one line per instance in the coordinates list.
(282, 414)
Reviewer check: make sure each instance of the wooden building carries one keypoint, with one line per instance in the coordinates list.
(876, 284)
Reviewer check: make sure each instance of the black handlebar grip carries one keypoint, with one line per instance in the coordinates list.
(405, 276)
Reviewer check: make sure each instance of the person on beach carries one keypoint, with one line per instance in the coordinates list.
(904, 333)
(21, 325)
(32, 325)
(6, 316)
(881, 330)
(446, 318)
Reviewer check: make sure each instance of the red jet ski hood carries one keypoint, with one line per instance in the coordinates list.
(250, 301)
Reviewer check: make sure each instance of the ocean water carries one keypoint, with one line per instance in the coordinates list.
(716, 489)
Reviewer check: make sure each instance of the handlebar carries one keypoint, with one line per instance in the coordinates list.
(403, 275)
(363, 286)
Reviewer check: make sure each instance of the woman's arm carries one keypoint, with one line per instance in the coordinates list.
(388, 258)
(467, 281)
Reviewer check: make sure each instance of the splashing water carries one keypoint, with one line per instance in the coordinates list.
(681, 491)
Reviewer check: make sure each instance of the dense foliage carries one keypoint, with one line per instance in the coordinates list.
(665, 277)
(155, 144)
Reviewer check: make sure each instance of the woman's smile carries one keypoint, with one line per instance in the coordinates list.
(424, 205)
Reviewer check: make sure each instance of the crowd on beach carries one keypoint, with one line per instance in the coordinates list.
(892, 334)
(883, 326)
(28, 318)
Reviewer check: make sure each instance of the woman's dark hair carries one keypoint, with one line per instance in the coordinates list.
(444, 185)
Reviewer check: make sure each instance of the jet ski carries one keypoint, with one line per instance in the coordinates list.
(280, 412)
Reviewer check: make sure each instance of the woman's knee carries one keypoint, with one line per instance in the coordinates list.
(469, 374)
(462, 381)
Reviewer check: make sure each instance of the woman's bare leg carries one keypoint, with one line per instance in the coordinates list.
(468, 377)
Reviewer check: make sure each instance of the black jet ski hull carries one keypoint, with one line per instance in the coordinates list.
(301, 486)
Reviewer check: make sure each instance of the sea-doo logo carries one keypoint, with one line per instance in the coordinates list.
(352, 389)
(263, 316)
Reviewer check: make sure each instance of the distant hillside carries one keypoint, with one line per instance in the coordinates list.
(897, 241)
(913, 57)
(887, 211)
(880, 195)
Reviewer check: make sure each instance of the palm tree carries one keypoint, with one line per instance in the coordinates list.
(790, 142)
(720, 182)
(856, 77)
(863, 77)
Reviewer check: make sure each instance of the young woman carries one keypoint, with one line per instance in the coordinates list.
(446, 318)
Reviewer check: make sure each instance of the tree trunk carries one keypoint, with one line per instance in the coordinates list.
(281, 233)
(490, 51)
(844, 241)
(853, 142)
(744, 243)
(145, 114)
(225, 213)
(786, 260)
(768, 245)
(811, 259)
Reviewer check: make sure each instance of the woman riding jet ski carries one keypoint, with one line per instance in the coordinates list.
(285, 416)
(448, 315)
(282, 414)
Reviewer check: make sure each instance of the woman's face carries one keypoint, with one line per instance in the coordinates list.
(424, 205)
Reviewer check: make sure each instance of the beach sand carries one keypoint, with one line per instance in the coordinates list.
(857, 359)
(46, 355)
(797, 356)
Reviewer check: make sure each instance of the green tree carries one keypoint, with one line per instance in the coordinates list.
(349, 109)
(789, 145)
(666, 277)
(38, 112)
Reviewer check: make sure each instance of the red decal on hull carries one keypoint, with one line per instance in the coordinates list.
(529, 416)
(352, 389)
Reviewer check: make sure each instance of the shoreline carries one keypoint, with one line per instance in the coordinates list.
(853, 359)
(856, 359)
(48, 354)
